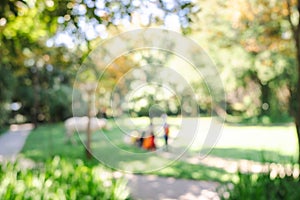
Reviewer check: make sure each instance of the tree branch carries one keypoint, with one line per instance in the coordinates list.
(298, 25)
(293, 27)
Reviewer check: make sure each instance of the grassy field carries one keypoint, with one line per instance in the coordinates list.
(258, 143)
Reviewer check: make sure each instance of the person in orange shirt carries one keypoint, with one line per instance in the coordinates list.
(166, 134)
(152, 142)
(149, 142)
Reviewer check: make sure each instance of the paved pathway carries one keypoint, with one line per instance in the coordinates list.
(12, 142)
(154, 187)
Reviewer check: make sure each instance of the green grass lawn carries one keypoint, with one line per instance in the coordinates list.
(258, 143)
(47, 141)
(278, 144)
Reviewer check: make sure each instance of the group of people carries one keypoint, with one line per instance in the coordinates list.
(147, 138)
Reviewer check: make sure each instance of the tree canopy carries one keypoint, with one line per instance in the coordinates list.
(44, 42)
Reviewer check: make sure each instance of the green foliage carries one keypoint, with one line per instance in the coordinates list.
(262, 186)
(60, 179)
(7, 85)
(255, 53)
(43, 65)
(59, 102)
(3, 130)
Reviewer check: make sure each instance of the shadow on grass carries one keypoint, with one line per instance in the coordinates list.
(254, 155)
(185, 170)
(260, 121)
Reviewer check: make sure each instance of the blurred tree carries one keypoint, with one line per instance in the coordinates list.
(41, 55)
(267, 30)
(292, 8)
(263, 32)
(260, 35)
(7, 85)
(29, 59)
(72, 28)
(256, 33)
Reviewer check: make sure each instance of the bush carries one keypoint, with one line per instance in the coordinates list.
(7, 86)
(3, 130)
(60, 179)
(262, 186)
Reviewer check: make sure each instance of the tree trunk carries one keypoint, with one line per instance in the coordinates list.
(88, 141)
(297, 99)
(88, 132)
(265, 99)
(298, 137)
(35, 109)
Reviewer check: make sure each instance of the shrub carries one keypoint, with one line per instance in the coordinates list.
(60, 179)
(262, 186)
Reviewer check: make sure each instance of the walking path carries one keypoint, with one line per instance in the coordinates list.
(12, 142)
(154, 187)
